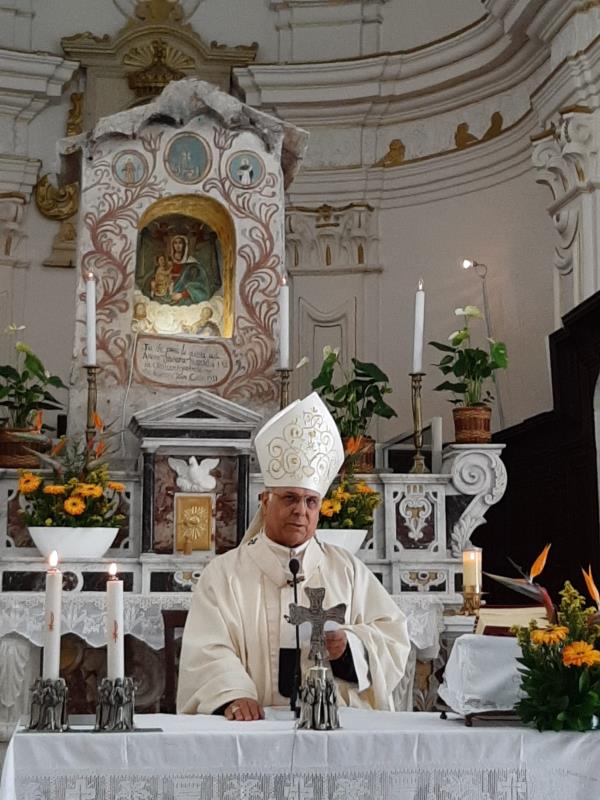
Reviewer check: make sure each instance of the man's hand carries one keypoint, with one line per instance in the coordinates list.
(336, 642)
(244, 709)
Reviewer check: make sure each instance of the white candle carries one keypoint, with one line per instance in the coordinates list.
(284, 325)
(115, 652)
(52, 611)
(90, 318)
(417, 363)
(472, 569)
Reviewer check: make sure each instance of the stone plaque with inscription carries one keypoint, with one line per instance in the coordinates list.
(181, 362)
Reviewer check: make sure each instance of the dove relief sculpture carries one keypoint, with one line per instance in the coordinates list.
(194, 476)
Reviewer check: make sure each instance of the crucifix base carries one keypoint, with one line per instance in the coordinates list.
(318, 701)
(49, 706)
(116, 701)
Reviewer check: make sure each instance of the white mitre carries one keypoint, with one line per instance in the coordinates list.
(299, 447)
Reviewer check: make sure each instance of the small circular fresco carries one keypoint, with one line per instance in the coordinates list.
(129, 168)
(245, 169)
(187, 158)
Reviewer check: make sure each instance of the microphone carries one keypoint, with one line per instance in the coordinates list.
(294, 567)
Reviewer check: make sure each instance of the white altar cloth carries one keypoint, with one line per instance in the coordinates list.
(383, 755)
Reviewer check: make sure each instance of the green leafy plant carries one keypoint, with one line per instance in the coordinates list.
(349, 504)
(24, 390)
(79, 492)
(561, 668)
(470, 366)
(353, 395)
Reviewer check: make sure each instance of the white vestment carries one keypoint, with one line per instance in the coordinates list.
(235, 627)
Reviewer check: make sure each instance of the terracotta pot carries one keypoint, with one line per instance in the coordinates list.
(13, 454)
(472, 424)
(364, 460)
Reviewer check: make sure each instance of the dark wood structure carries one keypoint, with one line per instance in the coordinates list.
(552, 466)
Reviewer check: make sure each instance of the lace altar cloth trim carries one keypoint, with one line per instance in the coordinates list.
(84, 615)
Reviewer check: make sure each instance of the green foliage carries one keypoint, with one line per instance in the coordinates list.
(359, 396)
(562, 688)
(349, 504)
(24, 389)
(469, 367)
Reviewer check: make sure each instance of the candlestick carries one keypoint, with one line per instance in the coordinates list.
(472, 569)
(418, 465)
(90, 318)
(284, 387)
(284, 325)
(417, 364)
(52, 611)
(115, 653)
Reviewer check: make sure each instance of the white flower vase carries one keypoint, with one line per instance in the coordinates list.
(349, 538)
(73, 544)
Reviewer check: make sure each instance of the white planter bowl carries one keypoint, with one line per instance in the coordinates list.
(73, 543)
(348, 538)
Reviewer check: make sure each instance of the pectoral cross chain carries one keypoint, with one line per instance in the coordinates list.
(317, 616)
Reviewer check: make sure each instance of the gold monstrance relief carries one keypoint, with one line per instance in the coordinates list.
(194, 521)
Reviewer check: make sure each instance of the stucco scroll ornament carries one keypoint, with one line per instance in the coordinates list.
(415, 509)
(56, 202)
(482, 475)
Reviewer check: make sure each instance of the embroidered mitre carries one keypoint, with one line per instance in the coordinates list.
(300, 446)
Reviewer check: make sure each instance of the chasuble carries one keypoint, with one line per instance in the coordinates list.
(236, 627)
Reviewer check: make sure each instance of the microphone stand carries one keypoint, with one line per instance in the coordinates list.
(294, 567)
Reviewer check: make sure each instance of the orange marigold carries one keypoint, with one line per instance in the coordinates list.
(553, 635)
(29, 482)
(579, 654)
(89, 490)
(330, 507)
(54, 489)
(116, 486)
(74, 506)
(362, 488)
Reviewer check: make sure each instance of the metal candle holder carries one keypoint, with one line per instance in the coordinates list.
(92, 400)
(418, 465)
(49, 700)
(472, 601)
(284, 387)
(116, 703)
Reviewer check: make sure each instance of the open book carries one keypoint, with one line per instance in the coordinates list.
(498, 620)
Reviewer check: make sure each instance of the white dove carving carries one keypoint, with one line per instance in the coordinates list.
(193, 476)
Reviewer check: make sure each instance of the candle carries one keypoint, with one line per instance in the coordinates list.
(52, 610)
(284, 325)
(115, 653)
(90, 318)
(472, 569)
(417, 365)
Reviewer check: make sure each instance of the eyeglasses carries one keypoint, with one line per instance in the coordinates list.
(291, 499)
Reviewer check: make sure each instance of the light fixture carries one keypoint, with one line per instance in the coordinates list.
(481, 271)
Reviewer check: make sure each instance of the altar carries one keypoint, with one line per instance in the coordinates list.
(391, 756)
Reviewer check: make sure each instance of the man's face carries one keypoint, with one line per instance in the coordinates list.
(290, 515)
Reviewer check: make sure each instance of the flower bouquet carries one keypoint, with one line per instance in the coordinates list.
(349, 504)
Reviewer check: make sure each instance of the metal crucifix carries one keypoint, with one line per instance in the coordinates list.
(317, 616)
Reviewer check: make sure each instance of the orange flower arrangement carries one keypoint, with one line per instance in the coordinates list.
(79, 492)
(349, 504)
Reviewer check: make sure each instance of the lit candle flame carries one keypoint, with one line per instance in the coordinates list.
(112, 570)
(420, 286)
(90, 276)
(53, 559)
(284, 280)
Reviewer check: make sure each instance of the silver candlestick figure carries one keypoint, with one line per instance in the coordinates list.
(318, 694)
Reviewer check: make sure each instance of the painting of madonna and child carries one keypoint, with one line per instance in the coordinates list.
(178, 279)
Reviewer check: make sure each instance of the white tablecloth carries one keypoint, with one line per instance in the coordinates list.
(401, 756)
(481, 674)
(83, 613)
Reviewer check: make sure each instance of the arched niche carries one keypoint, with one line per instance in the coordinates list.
(185, 265)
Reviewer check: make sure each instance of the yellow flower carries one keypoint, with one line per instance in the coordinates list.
(54, 489)
(330, 507)
(89, 490)
(116, 486)
(580, 654)
(74, 506)
(29, 482)
(341, 494)
(554, 635)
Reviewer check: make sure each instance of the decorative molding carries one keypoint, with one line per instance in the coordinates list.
(56, 203)
(13, 207)
(75, 114)
(160, 63)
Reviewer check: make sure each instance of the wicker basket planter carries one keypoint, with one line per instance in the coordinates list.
(472, 424)
(13, 454)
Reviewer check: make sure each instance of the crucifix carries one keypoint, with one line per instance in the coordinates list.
(317, 616)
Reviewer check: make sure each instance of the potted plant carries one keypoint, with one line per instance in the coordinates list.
(24, 396)
(74, 510)
(347, 512)
(470, 368)
(354, 395)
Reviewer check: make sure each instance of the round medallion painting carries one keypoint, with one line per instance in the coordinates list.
(245, 169)
(129, 167)
(187, 158)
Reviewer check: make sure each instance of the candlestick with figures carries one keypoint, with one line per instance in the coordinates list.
(418, 465)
